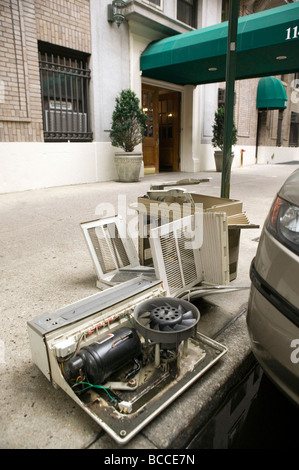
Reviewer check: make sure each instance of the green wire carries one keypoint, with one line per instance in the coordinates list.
(94, 386)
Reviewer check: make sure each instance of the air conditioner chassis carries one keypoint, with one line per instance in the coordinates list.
(53, 337)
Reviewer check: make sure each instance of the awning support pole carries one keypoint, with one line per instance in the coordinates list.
(229, 95)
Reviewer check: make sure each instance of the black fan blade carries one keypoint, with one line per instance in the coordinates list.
(179, 327)
(154, 306)
(187, 315)
(144, 318)
(181, 309)
(144, 321)
(144, 315)
(155, 326)
(188, 322)
(167, 328)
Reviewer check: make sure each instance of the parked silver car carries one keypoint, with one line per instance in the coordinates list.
(273, 309)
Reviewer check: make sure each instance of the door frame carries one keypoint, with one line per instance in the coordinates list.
(151, 143)
(170, 87)
(175, 96)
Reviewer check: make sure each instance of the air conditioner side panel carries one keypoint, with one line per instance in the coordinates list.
(215, 248)
(39, 352)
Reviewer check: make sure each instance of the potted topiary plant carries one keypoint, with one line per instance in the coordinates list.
(127, 131)
(217, 140)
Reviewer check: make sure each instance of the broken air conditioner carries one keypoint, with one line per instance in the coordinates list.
(127, 352)
(123, 354)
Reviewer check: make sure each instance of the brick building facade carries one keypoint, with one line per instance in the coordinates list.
(63, 63)
(23, 24)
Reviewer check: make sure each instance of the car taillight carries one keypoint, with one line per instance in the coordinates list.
(283, 223)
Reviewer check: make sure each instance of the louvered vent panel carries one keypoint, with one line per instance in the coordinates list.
(116, 245)
(101, 252)
(187, 261)
(172, 266)
(109, 247)
(214, 250)
(179, 267)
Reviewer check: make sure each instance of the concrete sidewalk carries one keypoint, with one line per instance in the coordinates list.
(45, 265)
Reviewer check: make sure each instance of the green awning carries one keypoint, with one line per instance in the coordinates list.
(267, 44)
(271, 94)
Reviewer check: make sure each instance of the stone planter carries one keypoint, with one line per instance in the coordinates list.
(219, 159)
(128, 166)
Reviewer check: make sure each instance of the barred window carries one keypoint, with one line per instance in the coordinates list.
(187, 12)
(64, 87)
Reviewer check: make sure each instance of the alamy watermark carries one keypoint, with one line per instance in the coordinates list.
(295, 353)
(139, 220)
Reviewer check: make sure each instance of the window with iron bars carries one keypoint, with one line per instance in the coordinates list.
(64, 76)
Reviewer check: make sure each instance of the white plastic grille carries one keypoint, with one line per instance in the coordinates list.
(110, 252)
(176, 264)
(182, 265)
(110, 246)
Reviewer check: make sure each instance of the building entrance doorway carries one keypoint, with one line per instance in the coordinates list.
(161, 143)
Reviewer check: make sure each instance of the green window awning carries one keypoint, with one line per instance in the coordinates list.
(271, 94)
(267, 44)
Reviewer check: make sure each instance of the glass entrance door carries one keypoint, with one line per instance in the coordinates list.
(169, 131)
(150, 101)
(161, 142)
